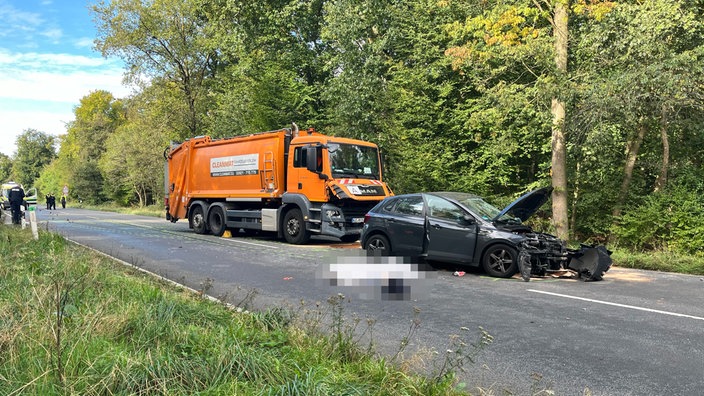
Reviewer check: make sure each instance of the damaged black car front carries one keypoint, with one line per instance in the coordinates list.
(541, 254)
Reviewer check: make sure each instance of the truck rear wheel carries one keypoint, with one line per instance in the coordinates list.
(198, 220)
(216, 221)
(295, 228)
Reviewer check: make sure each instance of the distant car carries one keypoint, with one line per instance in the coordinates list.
(5, 194)
(30, 198)
(30, 195)
(463, 228)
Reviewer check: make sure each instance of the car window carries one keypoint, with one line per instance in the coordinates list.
(443, 209)
(389, 206)
(409, 206)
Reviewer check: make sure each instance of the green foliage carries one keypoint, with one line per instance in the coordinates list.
(672, 221)
(5, 168)
(97, 117)
(161, 39)
(132, 163)
(35, 149)
(54, 177)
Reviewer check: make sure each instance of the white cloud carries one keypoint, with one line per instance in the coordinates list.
(39, 91)
(33, 60)
(15, 122)
(53, 34)
(57, 77)
(84, 42)
(13, 20)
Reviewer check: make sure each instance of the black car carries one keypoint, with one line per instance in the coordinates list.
(464, 229)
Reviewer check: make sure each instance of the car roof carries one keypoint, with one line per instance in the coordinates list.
(457, 196)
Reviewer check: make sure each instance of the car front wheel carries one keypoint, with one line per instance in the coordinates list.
(500, 261)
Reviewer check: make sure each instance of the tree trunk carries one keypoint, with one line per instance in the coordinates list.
(631, 155)
(575, 199)
(559, 148)
(661, 181)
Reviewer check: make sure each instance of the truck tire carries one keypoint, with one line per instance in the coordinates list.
(500, 261)
(295, 231)
(216, 221)
(197, 220)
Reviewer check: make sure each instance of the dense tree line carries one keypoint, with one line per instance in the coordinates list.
(603, 100)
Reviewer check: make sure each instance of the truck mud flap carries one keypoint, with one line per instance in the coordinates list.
(590, 262)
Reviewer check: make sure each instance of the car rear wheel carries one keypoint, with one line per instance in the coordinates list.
(500, 261)
(378, 245)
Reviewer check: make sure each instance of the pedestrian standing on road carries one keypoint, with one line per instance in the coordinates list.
(16, 198)
(63, 202)
(52, 201)
(46, 197)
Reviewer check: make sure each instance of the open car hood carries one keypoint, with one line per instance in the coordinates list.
(526, 205)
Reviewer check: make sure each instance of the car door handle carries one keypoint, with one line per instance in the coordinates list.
(437, 226)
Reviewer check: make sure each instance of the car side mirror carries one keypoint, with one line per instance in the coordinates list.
(467, 220)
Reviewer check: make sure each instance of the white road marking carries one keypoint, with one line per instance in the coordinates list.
(237, 241)
(619, 305)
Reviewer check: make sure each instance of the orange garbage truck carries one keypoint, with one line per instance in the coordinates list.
(294, 183)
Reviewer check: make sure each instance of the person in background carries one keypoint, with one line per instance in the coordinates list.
(46, 197)
(52, 201)
(63, 201)
(16, 198)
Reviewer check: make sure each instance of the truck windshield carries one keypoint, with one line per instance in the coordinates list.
(353, 161)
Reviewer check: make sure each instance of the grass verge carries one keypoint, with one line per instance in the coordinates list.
(659, 261)
(74, 322)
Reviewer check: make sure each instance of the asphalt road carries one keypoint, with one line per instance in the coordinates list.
(634, 333)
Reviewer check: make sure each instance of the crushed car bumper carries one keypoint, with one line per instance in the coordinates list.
(589, 262)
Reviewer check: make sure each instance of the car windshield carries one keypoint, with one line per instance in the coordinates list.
(480, 207)
(353, 161)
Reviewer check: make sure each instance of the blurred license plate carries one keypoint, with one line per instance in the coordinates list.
(358, 220)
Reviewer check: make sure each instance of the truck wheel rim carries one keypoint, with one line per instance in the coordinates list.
(197, 219)
(293, 227)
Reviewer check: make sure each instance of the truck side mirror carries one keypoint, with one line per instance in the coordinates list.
(312, 159)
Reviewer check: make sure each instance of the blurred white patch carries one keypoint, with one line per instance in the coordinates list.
(377, 278)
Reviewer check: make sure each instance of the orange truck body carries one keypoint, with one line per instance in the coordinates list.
(294, 183)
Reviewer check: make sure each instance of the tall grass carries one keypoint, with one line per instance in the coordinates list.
(659, 260)
(73, 322)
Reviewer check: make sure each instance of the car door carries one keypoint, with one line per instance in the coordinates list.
(406, 225)
(452, 232)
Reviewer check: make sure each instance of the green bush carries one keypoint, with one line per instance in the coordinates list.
(670, 221)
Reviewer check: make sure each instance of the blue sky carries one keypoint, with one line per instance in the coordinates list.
(47, 64)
